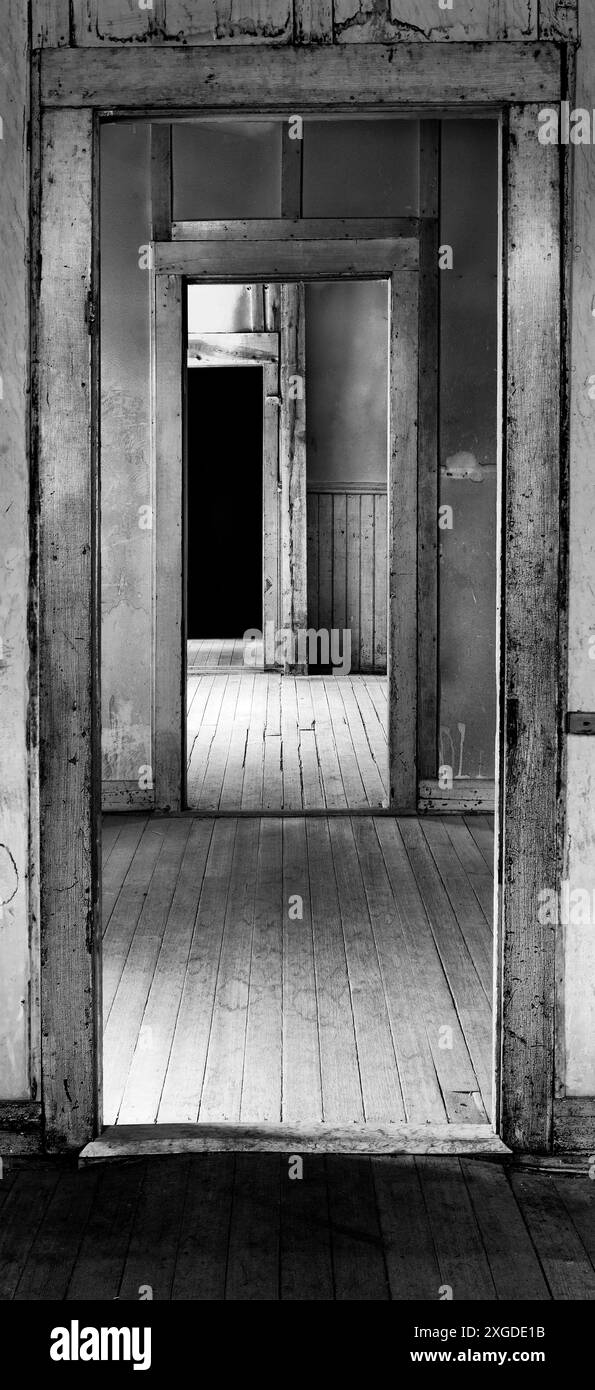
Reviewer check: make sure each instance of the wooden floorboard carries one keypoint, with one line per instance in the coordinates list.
(260, 1227)
(264, 741)
(299, 971)
(187, 1059)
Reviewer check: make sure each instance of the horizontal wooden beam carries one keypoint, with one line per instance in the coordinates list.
(121, 1141)
(285, 260)
(346, 486)
(183, 77)
(247, 349)
(298, 229)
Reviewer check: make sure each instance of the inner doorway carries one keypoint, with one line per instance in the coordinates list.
(223, 507)
(288, 709)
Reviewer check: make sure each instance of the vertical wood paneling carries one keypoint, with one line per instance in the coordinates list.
(169, 703)
(531, 634)
(68, 624)
(366, 612)
(312, 559)
(402, 533)
(339, 610)
(348, 571)
(325, 560)
(380, 580)
(353, 577)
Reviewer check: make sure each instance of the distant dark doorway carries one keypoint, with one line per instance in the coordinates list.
(224, 501)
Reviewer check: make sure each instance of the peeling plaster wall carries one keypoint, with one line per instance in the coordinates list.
(14, 550)
(579, 937)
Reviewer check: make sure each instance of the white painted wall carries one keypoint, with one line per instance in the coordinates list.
(14, 550)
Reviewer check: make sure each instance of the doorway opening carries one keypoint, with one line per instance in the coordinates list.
(223, 510)
(289, 711)
(295, 951)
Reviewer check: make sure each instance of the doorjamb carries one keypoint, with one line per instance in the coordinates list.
(397, 262)
(531, 827)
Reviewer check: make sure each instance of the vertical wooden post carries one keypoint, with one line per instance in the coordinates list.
(402, 542)
(270, 510)
(531, 639)
(68, 539)
(170, 354)
(428, 496)
(292, 465)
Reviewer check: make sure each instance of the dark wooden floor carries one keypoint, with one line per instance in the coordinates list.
(371, 1004)
(214, 1227)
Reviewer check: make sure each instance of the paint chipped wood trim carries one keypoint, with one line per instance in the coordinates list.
(101, 22)
(313, 21)
(360, 21)
(530, 630)
(284, 260)
(121, 1141)
(50, 24)
(69, 793)
(370, 76)
(559, 20)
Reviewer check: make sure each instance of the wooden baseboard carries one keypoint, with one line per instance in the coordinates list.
(20, 1127)
(126, 796)
(574, 1125)
(123, 1141)
(466, 795)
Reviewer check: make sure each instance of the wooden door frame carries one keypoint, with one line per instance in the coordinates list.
(255, 348)
(76, 85)
(395, 260)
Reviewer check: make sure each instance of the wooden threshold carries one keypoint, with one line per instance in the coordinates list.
(127, 1141)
